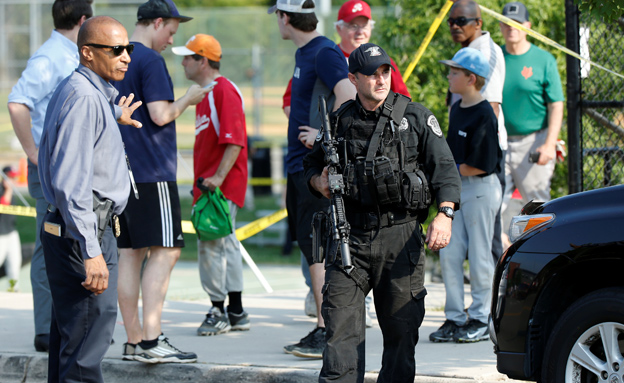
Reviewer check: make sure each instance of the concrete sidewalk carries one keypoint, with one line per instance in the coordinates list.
(277, 319)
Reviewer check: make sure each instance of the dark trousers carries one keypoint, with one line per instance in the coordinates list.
(393, 259)
(82, 323)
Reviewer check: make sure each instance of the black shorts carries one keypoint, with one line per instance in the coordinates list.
(301, 205)
(154, 219)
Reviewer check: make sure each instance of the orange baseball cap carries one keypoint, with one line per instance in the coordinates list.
(200, 44)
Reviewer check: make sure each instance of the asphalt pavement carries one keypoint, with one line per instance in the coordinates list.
(277, 319)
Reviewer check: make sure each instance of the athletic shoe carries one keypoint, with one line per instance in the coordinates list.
(472, 331)
(310, 346)
(215, 323)
(310, 305)
(239, 322)
(445, 332)
(163, 352)
(128, 351)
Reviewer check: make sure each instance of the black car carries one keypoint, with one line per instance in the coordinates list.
(558, 291)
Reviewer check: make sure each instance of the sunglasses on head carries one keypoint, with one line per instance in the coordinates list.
(460, 21)
(117, 49)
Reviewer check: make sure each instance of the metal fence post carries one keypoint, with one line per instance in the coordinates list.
(575, 159)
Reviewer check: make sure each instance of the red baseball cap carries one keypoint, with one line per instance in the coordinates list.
(352, 9)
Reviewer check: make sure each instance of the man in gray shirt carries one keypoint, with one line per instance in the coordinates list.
(81, 160)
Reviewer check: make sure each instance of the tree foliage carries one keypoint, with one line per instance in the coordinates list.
(608, 10)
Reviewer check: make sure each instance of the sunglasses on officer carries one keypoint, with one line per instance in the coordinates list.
(461, 21)
(117, 49)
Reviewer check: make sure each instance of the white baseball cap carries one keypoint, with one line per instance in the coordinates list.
(294, 6)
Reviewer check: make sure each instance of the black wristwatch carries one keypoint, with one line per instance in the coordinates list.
(447, 211)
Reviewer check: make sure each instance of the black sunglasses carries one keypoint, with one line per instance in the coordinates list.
(117, 49)
(460, 21)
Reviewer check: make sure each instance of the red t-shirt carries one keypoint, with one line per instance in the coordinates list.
(220, 121)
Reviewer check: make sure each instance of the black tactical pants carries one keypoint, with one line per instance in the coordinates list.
(391, 258)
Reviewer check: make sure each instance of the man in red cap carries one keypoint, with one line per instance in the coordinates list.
(354, 26)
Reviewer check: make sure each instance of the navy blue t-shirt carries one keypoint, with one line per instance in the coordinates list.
(473, 136)
(152, 150)
(320, 58)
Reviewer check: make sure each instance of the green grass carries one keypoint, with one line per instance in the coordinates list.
(262, 254)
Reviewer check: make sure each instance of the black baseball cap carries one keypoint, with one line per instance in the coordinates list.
(367, 58)
(516, 11)
(166, 9)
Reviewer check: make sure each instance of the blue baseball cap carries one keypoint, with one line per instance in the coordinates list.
(470, 59)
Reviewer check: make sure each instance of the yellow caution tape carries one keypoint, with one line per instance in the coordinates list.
(258, 225)
(242, 233)
(259, 181)
(248, 230)
(18, 210)
(425, 43)
(543, 38)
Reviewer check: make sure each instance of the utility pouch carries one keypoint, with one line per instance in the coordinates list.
(386, 183)
(320, 231)
(415, 188)
(103, 209)
(364, 184)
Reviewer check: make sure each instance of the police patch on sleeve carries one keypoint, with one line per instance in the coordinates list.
(434, 125)
(404, 125)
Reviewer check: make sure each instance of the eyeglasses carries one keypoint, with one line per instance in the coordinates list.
(117, 49)
(461, 21)
(355, 27)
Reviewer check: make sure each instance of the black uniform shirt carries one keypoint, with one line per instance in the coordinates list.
(420, 132)
(473, 137)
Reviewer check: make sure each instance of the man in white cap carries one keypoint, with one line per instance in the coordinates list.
(220, 159)
(320, 69)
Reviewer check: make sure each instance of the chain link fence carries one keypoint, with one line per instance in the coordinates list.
(602, 103)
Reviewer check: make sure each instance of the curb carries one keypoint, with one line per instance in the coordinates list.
(33, 369)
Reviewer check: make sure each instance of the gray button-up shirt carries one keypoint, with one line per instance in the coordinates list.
(81, 153)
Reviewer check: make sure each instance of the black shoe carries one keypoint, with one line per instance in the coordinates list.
(472, 331)
(42, 342)
(310, 346)
(445, 332)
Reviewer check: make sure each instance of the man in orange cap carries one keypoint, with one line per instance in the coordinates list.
(220, 158)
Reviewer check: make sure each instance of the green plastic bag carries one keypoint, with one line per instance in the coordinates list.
(211, 216)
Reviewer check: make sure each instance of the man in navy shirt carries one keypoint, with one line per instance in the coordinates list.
(320, 68)
(152, 222)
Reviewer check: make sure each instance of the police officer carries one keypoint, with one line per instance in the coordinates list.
(390, 148)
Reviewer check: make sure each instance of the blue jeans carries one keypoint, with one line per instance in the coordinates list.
(473, 227)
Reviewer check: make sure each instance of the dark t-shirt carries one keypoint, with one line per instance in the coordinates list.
(320, 58)
(152, 150)
(473, 136)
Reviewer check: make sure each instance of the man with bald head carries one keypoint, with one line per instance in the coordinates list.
(84, 179)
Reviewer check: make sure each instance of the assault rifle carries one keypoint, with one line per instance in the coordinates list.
(340, 228)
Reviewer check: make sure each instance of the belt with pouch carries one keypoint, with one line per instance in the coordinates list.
(371, 219)
(103, 209)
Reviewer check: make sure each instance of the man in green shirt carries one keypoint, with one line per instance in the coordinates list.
(533, 108)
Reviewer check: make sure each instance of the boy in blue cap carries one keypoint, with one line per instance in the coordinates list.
(473, 139)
